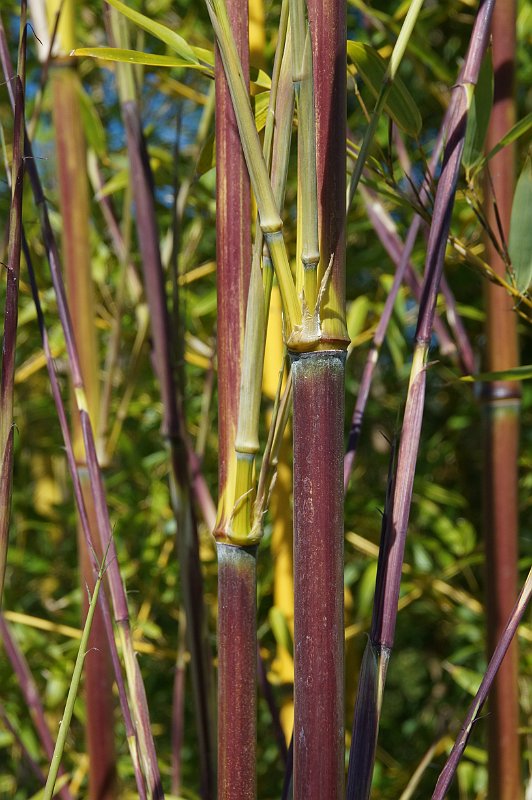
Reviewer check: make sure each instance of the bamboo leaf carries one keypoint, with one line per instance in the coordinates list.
(124, 56)
(479, 114)
(399, 104)
(207, 159)
(280, 629)
(520, 128)
(92, 124)
(162, 32)
(520, 242)
(522, 373)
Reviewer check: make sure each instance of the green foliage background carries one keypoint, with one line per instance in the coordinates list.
(440, 643)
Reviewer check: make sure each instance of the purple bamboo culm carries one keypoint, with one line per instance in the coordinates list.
(237, 669)
(409, 444)
(30, 761)
(16, 85)
(318, 412)
(84, 521)
(31, 696)
(395, 523)
(447, 774)
(173, 430)
(113, 573)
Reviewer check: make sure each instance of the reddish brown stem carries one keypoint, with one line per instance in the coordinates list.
(237, 673)
(501, 414)
(318, 397)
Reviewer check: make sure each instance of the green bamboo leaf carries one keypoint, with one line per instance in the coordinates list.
(357, 314)
(399, 104)
(123, 56)
(479, 115)
(520, 242)
(280, 629)
(514, 374)
(162, 32)
(520, 128)
(92, 124)
(466, 678)
(207, 158)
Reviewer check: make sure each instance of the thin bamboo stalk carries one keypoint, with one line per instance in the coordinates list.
(30, 693)
(501, 407)
(117, 591)
(75, 214)
(173, 427)
(7, 375)
(85, 525)
(395, 523)
(501, 649)
(26, 755)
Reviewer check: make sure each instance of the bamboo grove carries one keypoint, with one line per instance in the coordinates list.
(265, 410)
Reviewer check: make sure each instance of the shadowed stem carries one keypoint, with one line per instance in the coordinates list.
(448, 772)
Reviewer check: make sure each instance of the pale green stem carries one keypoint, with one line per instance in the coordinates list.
(270, 220)
(303, 77)
(64, 725)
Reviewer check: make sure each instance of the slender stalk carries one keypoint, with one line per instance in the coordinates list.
(117, 591)
(74, 205)
(501, 404)
(64, 725)
(395, 524)
(318, 414)
(501, 649)
(85, 525)
(30, 694)
(173, 427)
(7, 375)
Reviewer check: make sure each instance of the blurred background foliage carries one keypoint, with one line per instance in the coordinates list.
(440, 643)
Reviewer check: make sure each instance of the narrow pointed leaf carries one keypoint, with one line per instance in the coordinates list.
(518, 130)
(399, 104)
(162, 32)
(479, 114)
(520, 244)
(124, 56)
(515, 374)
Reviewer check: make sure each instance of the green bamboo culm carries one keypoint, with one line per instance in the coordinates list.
(64, 725)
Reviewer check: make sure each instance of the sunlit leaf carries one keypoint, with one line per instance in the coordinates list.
(399, 105)
(162, 32)
(207, 158)
(92, 124)
(280, 629)
(520, 242)
(124, 56)
(479, 114)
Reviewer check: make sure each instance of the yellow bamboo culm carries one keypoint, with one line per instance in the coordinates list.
(257, 34)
